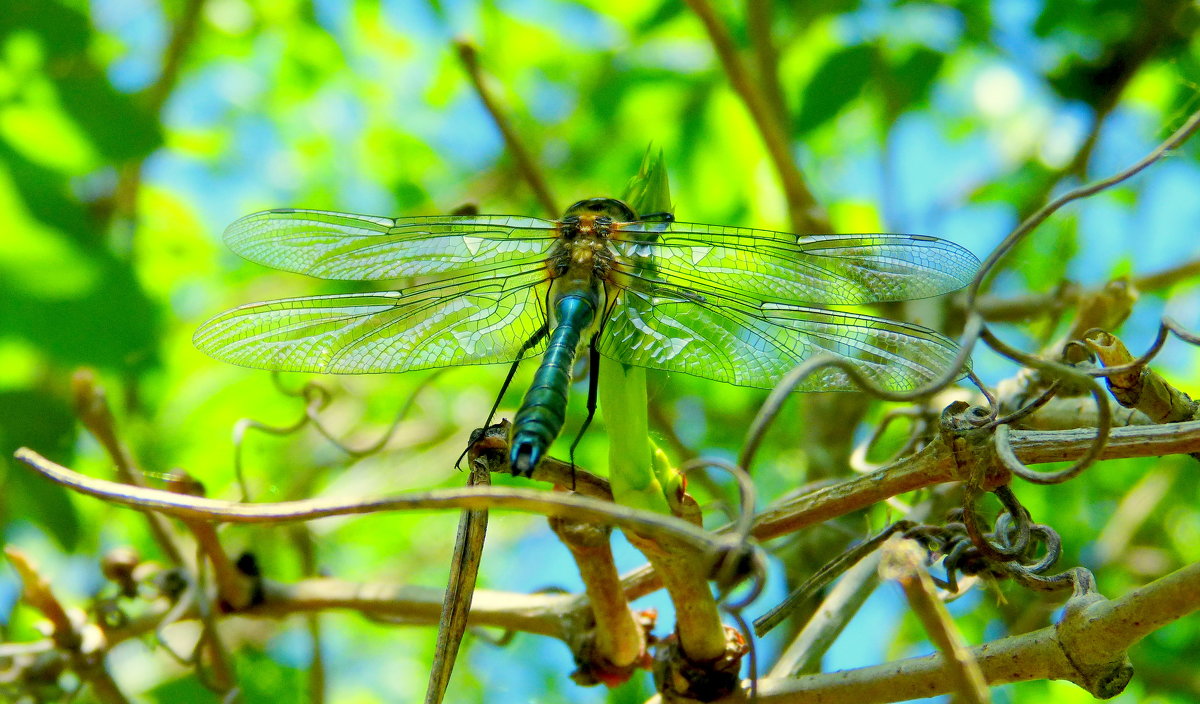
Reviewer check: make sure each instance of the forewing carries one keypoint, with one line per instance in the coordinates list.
(428, 326)
(756, 346)
(798, 269)
(332, 245)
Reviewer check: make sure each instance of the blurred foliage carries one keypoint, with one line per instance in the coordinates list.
(950, 119)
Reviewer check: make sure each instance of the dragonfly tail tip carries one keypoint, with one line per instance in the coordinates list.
(525, 456)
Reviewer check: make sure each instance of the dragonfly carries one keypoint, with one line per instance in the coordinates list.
(731, 304)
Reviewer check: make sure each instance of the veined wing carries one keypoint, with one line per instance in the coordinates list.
(332, 245)
(433, 325)
(798, 269)
(756, 346)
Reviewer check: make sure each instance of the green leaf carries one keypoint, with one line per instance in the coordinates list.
(45, 423)
(91, 308)
(119, 127)
(65, 29)
(913, 77)
(838, 81)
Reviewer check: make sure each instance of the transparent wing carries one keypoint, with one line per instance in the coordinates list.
(755, 346)
(478, 322)
(760, 265)
(332, 245)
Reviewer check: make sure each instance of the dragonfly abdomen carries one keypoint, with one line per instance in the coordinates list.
(542, 413)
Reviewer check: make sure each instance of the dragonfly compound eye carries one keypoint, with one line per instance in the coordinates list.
(615, 210)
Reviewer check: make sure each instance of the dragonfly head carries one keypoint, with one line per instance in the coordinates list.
(613, 209)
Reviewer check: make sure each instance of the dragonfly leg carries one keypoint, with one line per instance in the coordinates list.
(593, 389)
(512, 371)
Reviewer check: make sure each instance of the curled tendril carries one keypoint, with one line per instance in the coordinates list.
(1160, 340)
(1029, 224)
(1166, 328)
(963, 554)
(735, 612)
(738, 556)
(316, 398)
(1088, 355)
(1103, 414)
(1042, 399)
(991, 398)
(858, 457)
(770, 409)
(1180, 332)
(746, 491)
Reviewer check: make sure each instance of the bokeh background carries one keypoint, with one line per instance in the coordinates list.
(133, 131)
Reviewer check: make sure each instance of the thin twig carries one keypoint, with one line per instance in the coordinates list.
(234, 588)
(904, 561)
(80, 643)
(821, 578)
(766, 56)
(1180, 136)
(303, 540)
(527, 500)
(806, 215)
(1028, 306)
(525, 163)
(221, 678)
(183, 35)
(550, 615)
(841, 604)
(91, 405)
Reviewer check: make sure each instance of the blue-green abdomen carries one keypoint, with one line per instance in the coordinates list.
(541, 416)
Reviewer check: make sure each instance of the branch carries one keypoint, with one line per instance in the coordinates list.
(935, 465)
(904, 561)
(527, 500)
(1018, 308)
(525, 163)
(548, 615)
(543, 614)
(91, 406)
(806, 214)
(1087, 647)
(616, 644)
